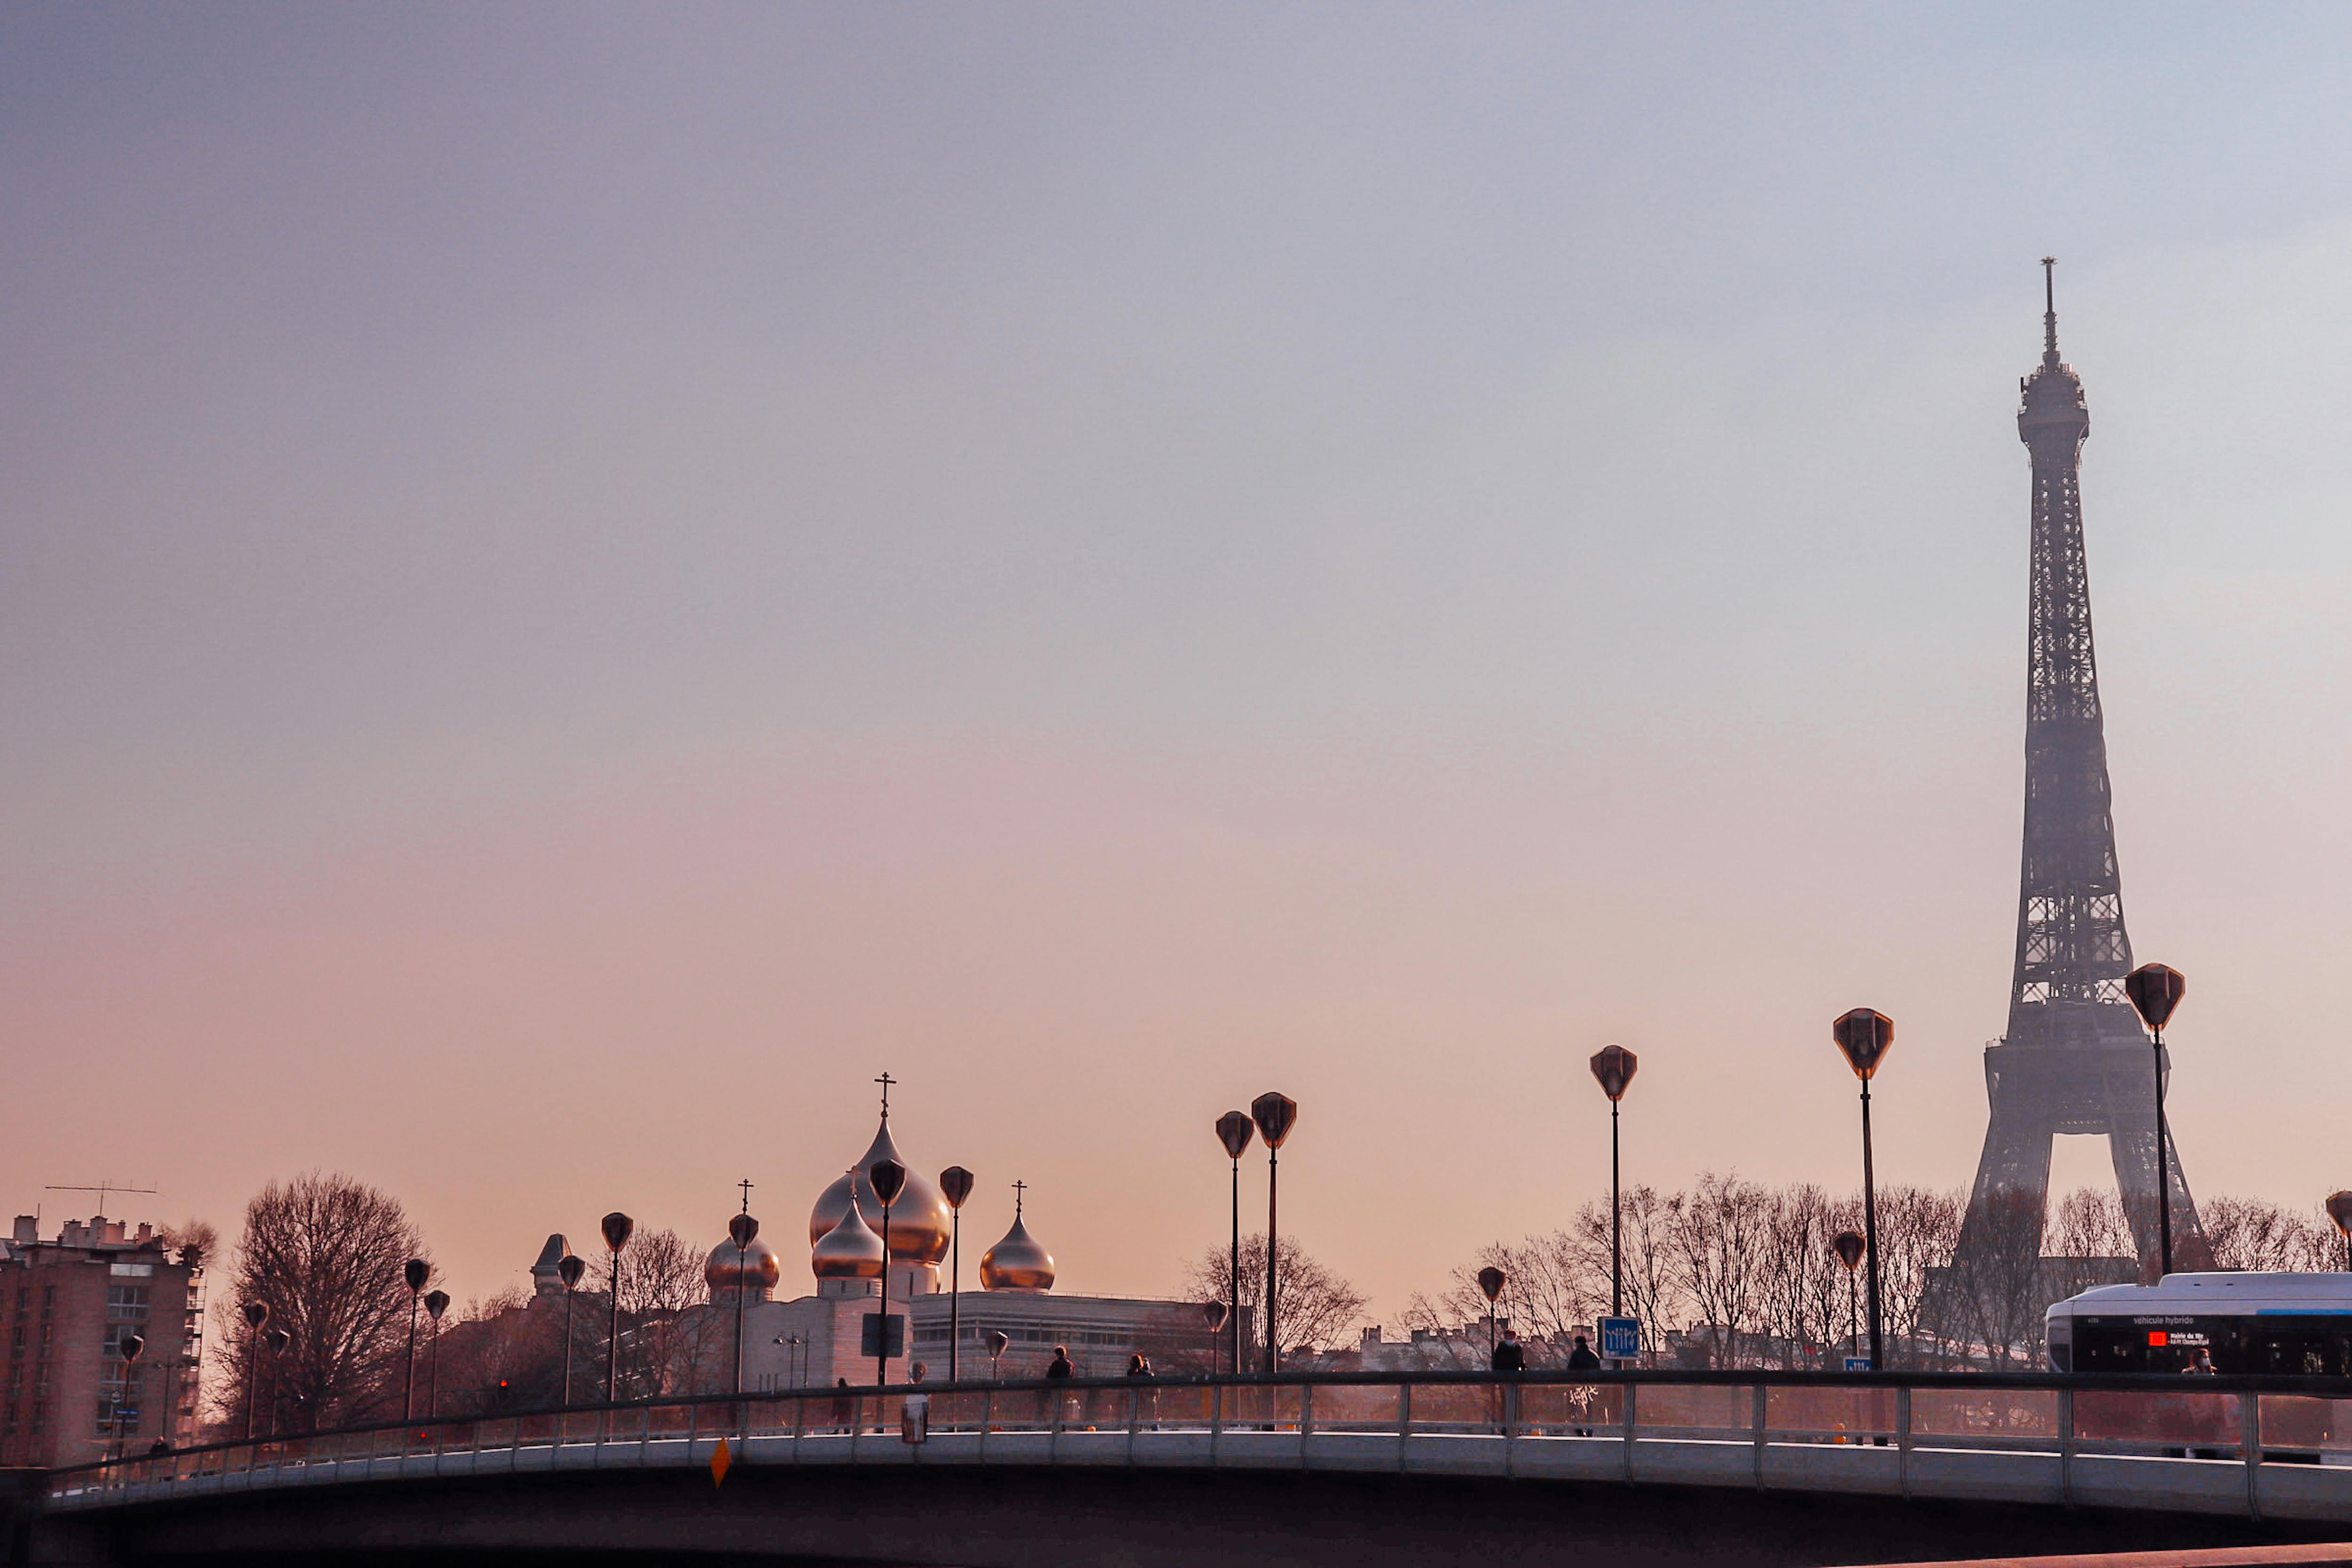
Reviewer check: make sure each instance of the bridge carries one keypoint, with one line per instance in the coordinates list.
(1635, 1468)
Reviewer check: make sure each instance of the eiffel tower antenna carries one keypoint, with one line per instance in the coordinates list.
(2074, 1059)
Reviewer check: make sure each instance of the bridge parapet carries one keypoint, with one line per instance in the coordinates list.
(2265, 1448)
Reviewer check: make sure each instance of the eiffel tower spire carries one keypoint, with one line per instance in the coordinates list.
(2074, 1059)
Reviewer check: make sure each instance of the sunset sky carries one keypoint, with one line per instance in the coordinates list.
(577, 582)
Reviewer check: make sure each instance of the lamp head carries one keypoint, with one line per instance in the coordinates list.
(2155, 991)
(1275, 1115)
(1865, 1036)
(1850, 1247)
(1234, 1129)
(1614, 1066)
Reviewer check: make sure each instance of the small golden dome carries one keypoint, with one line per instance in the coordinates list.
(920, 1217)
(850, 1250)
(1018, 1262)
(756, 1268)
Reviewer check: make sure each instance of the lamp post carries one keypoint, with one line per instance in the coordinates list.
(569, 1269)
(889, 1177)
(2339, 1209)
(1234, 1130)
(742, 1230)
(278, 1339)
(955, 1185)
(618, 1227)
(416, 1272)
(1865, 1036)
(128, 1347)
(1614, 1067)
(997, 1340)
(436, 1303)
(2155, 991)
(255, 1314)
(1850, 1246)
(1274, 1115)
(1214, 1314)
(1490, 1285)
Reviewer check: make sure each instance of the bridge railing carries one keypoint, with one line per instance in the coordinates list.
(1871, 1432)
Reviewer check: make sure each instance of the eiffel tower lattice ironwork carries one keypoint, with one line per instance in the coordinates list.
(2074, 1059)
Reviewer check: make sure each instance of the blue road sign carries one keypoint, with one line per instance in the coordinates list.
(1858, 1364)
(1621, 1338)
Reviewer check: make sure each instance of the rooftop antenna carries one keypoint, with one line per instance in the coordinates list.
(102, 1188)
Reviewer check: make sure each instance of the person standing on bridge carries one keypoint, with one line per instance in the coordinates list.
(1060, 1366)
(1581, 1358)
(1511, 1355)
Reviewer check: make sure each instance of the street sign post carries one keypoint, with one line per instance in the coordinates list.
(1621, 1338)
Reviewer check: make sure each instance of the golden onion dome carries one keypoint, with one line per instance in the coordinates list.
(755, 1267)
(919, 1218)
(1018, 1262)
(850, 1250)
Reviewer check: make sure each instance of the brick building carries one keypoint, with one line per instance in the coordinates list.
(65, 1306)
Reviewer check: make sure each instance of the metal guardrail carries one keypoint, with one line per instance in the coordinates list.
(2267, 1447)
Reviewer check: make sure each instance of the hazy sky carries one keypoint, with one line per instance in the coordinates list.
(576, 581)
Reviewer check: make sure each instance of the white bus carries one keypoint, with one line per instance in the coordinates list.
(2293, 1324)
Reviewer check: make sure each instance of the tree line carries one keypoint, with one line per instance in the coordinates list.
(1730, 1272)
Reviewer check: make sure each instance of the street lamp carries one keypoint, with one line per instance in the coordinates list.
(416, 1272)
(569, 1269)
(436, 1303)
(2155, 989)
(1614, 1067)
(1274, 1115)
(742, 1230)
(278, 1339)
(1490, 1285)
(955, 1185)
(618, 1227)
(1865, 1037)
(1851, 1245)
(997, 1340)
(128, 1347)
(255, 1314)
(890, 1178)
(1234, 1130)
(2339, 1209)
(1214, 1314)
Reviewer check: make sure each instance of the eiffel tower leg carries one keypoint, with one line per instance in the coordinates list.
(2013, 1186)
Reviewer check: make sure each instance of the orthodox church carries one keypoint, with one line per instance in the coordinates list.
(830, 1336)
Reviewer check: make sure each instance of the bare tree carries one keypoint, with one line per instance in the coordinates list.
(2255, 1232)
(325, 1255)
(661, 1278)
(503, 1354)
(1552, 1285)
(1719, 1233)
(1918, 1229)
(1316, 1307)
(196, 1241)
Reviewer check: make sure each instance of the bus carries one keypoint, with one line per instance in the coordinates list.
(2290, 1324)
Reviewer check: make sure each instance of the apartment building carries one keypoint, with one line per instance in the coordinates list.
(69, 1396)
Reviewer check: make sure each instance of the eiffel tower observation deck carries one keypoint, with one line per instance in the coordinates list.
(2074, 1059)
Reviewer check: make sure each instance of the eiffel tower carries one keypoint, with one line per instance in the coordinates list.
(2074, 1059)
